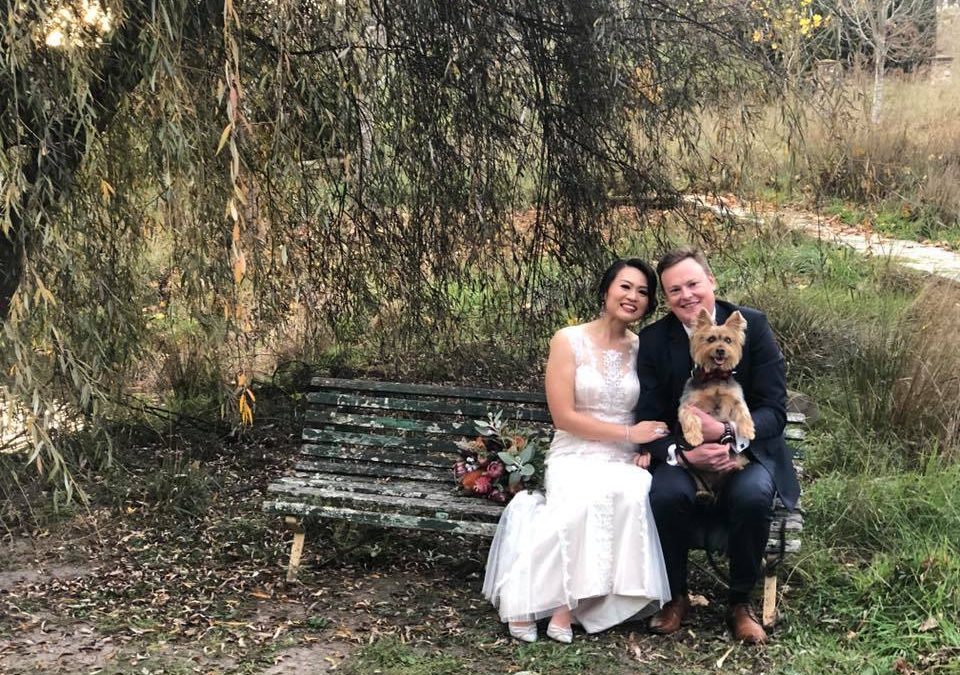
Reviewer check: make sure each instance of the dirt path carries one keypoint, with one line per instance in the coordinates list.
(915, 255)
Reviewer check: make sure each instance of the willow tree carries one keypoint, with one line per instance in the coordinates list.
(388, 171)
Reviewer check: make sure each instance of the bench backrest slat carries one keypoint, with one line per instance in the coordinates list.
(428, 390)
(333, 418)
(470, 409)
(413, 443)
(381, 429)
(378, 454)
(360, 468)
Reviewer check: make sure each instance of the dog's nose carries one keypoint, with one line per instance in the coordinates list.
(721, 351)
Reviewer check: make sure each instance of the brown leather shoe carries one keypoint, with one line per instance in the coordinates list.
(743, 622)
(670, 616)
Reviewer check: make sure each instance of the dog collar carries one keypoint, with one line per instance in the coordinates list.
(701, 375)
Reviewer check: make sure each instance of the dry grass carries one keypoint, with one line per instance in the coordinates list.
(824, 145)
(927, 394)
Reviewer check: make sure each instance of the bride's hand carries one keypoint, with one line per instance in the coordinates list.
(642, 460)
(648, 432)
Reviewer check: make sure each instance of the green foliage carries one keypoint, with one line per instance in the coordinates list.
(392, 657)
(883, 571)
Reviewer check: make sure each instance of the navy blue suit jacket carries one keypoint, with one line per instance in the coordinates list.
(664, 364)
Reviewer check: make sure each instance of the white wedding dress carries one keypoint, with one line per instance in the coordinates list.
(591, 544)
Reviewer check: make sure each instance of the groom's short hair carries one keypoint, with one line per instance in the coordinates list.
(678, 255)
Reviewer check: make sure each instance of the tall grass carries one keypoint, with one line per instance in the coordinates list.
(875, 587)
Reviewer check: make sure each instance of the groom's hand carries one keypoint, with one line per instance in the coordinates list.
(711, 457)
(712, 429)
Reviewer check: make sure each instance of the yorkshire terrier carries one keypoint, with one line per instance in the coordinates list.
(716, 351)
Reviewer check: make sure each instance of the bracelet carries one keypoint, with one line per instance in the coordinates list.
(626, 432)
(728, 436)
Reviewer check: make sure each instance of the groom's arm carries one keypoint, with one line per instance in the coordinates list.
(766, 392)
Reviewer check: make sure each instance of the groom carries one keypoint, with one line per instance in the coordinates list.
(745, 502)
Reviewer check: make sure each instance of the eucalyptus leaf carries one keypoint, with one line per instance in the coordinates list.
(527, 453)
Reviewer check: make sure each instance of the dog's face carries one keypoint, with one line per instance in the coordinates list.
(718, 347)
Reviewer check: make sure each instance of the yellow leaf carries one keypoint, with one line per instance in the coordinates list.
(106, 190)
(224, 136)
(246, 412)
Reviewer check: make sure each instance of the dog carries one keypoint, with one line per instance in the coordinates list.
(716, 351)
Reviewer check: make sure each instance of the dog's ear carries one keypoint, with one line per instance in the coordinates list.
(704, 319)
(736, 322)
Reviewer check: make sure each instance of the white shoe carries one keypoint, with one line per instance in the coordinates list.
(564, 635)
(525, 633)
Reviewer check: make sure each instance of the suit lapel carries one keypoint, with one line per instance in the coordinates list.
(679, 357)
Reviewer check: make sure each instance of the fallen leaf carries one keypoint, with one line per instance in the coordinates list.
(723, 658)
(929, 624)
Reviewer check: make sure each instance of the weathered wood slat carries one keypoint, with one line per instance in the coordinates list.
(379, 455)
(793, 522)
(411, 443)
(450, 506)
(428, 390)
(357, 468)
(470, 409)
(465, 428)
(380, 519)
(794, 433)
(370, 485)
(796, 418)
(791, 546)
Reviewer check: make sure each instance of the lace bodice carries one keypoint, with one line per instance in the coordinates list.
(606, 387)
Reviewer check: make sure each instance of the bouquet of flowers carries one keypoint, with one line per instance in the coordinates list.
(499, 462)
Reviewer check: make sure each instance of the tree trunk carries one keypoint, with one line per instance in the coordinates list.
(879, 69)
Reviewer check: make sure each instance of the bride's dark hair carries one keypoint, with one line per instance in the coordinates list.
(607, 279)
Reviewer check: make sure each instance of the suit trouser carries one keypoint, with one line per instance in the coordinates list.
(744, 503)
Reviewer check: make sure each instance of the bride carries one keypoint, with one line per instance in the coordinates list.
(587, 552)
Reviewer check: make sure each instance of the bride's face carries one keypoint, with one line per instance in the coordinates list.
(628, 295)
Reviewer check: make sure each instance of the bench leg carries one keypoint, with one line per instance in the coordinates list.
(769, 596)
(296, 550)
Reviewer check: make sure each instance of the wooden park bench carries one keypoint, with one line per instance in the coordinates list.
(381, 453)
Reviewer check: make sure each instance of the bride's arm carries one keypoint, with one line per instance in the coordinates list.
(559, 380)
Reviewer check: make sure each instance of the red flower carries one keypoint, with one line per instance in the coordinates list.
(494, 470)
(459, 469)
(470, 479)
(482, 485)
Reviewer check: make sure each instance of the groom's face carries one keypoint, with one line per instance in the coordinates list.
(688, 288)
